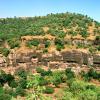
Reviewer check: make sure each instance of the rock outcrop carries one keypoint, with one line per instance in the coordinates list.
(2, 61)
(54, 60)
(96, 60)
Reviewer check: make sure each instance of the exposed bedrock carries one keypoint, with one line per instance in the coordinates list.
(53, 60)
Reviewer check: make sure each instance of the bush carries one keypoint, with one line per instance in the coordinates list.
(47, 44)
(20, 91)
(9, 77)
(85, 76)
(5, 97)
(14, 43)
(1, 90)
(88, 95)
(10, 91)
(22, 83)
(4, 51)
(59, 44)
(84, 33)
(59, 47)
(21, 73)
(33, 43)
(45, 50)
(77, 86)
(57, 78)
(49, 90)
(64, 95)
(42, 81)
(44, 73)
(61, 34)
(91, 87)
(98, 48)
(39, 70)
(70, 74)
(34, 56)
(13, 84)
(90, 74)
(6, 78)
(92, 50)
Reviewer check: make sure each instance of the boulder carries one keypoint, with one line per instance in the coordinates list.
(2, 61)
(85, 58)
(57, 56)
(23, 58)
(96, 60)
(54, 65)
(72, 56)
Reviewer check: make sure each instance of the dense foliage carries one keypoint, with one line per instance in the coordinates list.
(35, 86)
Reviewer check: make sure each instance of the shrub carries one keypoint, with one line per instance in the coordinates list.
(4, 51)
(80, 45)
(13, 84)
(77, 86)
(73, 33)
(45, 50)
(44, 73)
(57, 78)
(93, 74)
(91, 87)
(33, 43)
(70, 74)
(10, 91)
(1, 90)
(13, 43)
(6, 78)
(20, 91)
(59, 44)
(85, 76)
(88, 95)
(58, 47)
(9, 77)
(98, 48)
(39, 70)
(84, 33)
(61, 34)
(64, 95)
(22, 83)
(49, 90)
(67, 22)
(42, 81)
(21, 73)
(47, 44)
(2, 79)
(92, 50)
(5, 97)
(34, 56)
(3, 37)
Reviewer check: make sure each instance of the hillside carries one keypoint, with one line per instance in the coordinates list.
(63, 26)
(53, 57)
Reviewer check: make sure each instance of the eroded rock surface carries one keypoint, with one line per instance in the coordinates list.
(54, 60)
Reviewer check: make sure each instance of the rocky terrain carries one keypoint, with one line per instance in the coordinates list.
(53, 57)
(59, 42)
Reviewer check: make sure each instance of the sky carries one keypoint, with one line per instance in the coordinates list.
(24, 8)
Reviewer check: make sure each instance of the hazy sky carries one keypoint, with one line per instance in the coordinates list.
(11, 8)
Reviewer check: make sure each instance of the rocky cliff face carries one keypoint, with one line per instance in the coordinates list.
(54, 60)
(3, 61)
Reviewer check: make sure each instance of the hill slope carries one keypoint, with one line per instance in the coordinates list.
(64, 26)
